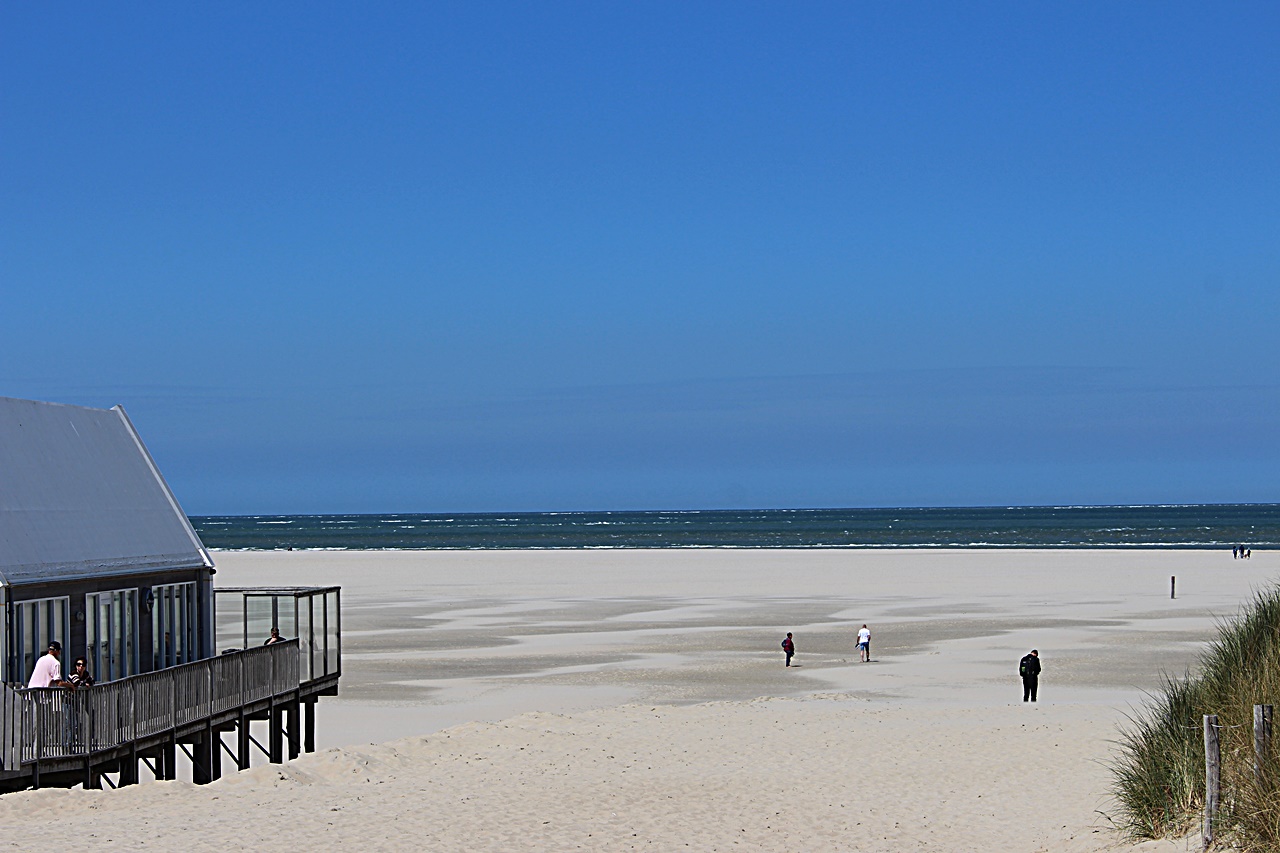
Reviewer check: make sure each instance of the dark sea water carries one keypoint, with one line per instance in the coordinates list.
(1217, 525)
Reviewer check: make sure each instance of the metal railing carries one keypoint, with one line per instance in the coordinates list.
(56, 722)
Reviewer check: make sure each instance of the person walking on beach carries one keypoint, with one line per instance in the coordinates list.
(789, 646)
(1029, 669)
(864, 644)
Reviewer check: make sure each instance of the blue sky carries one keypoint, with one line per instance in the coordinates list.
(466, 257)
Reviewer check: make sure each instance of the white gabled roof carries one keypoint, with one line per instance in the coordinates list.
(81, 497)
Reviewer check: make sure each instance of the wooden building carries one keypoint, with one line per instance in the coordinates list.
(94, 549)
(96, 553)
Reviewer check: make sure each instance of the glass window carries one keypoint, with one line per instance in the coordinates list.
(260, 616)
(38, 622)
(229, 618)
(111, 632)
(173, 624)
(333, 639)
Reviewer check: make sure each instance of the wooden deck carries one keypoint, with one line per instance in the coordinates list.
(55, 737)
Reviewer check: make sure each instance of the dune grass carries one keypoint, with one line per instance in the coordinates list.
(1159, 773)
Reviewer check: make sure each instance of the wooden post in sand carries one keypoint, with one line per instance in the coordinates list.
(1212, 777)
(1261, 741)
(1173, 586)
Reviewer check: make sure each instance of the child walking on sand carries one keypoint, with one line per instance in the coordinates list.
(789, 646)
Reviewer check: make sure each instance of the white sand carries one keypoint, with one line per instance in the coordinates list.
(928, 747)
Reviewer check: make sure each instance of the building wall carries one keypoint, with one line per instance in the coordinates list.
(86, 622)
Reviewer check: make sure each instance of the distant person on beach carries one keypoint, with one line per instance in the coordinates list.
(1235, 552)
(864, 644)
(48, 670)
(274, 638)
(1029, 669)
(789, 646)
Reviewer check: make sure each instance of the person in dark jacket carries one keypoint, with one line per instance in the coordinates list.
(80, 676)
(1029, 669)
(789, 646)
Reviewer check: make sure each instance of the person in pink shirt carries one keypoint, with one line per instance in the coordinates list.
(48, 670)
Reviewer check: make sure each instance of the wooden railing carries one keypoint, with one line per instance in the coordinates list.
(56, 722)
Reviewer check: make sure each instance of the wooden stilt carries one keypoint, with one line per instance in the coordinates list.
(214, 737)
(309, 725)
(202, 759)
(243, 740)
(169, 760)
(295, 729)
(275, 735)
(129, 767)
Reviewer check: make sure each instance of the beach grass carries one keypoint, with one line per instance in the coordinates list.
(1159, 775)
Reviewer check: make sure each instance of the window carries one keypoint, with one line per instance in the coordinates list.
(38, 622)
(111, 632)
(173, 624)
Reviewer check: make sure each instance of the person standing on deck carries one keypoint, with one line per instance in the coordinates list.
(48, 670)
(80, 676)
(789, 646)
(1029, 669)
(864, 644)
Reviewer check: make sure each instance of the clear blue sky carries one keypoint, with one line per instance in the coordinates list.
(340, 257)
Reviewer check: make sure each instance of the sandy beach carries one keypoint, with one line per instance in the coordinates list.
(617, 700)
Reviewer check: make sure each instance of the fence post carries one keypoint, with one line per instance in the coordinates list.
(1212, 778)
(1173, 586)
(1261, 741)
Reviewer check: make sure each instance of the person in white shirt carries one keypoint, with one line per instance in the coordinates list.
(48, 670)
(864, 644)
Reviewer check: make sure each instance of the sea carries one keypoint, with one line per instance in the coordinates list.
(1177, 526)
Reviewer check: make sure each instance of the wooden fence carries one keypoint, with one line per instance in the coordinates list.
(55, 722)
(1213, 765)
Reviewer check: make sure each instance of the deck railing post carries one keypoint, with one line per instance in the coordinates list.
(38, 710)
(129, 726)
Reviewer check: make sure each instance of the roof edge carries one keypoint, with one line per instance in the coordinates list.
(173, 500)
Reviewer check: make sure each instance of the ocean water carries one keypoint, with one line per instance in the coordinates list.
(1186, 526)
